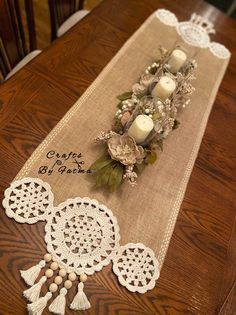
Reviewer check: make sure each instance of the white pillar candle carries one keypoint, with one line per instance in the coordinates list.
(164, 88)
(176, 61)
(140, 128)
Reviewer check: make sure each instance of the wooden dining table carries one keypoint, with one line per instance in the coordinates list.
(199, 272)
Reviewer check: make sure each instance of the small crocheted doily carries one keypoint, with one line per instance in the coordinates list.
(136, 267)
(28, 200)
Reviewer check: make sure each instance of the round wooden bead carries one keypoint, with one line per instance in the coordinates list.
(54, 265)
(68, 284)
(53, 287)
(49, 273)
(47, 257)
(62, 272)
(58, 280)
(83, 277)
(72, 276)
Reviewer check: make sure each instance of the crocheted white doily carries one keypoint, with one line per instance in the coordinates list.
(136, 267)
(82, 235)
(167, 17)
(28, 200)
(194, 32)
(193, 35)
(219, 50)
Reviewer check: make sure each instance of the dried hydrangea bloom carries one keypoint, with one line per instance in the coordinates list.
(144, 83)
(146, 79)
(125, 118)
(124, 149)
(138, 88)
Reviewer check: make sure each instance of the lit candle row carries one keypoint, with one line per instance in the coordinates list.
(166, 86)
(143, 125)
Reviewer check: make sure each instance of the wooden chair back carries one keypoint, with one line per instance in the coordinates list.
(60, 10)
(13, 46)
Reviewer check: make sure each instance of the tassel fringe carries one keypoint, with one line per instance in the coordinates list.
(33, 293)
(80, 301)
(59, 304)
(37, 307)
(32, 273)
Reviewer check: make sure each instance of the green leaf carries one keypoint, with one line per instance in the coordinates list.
(156, 116)
(116, 176)
(153, 70)
(151, 157)
(101, 162)
(117, 126)
(125, 96)
(103, 176)
(140, 167)
(176, 124)
(139, 96)
(119, 105)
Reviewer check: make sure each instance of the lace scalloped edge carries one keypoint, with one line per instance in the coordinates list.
(194, 32)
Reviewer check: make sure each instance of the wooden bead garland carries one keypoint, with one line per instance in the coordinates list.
(80, 301)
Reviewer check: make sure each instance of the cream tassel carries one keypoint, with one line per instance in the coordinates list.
(37, 307)
(32, 273)
(59, 304)
(33, 293)
(80, 301)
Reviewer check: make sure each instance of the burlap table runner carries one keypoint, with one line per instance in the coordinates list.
(148, 212)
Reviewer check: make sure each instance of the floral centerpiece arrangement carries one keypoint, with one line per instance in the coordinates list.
(144, 118)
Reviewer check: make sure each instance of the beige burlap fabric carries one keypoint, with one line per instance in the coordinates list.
(148, 212)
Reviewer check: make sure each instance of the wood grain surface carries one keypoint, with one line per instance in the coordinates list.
(199, 273)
